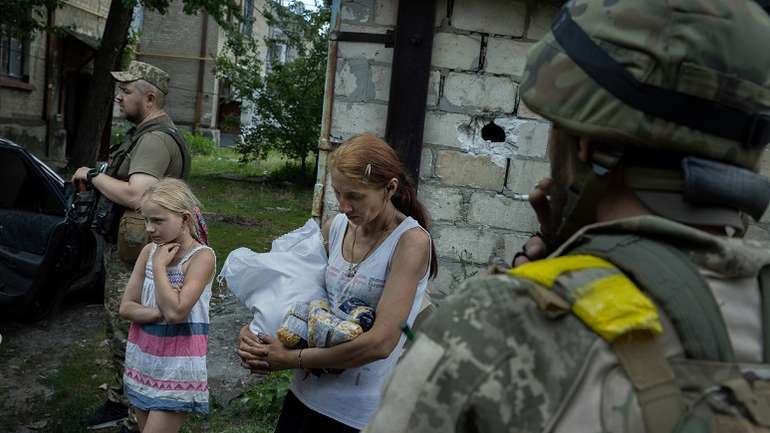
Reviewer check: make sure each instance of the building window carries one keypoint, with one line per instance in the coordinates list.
(277, 53)
(13, 58)
(248, 16)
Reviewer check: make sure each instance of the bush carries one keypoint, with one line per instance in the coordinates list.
(118, 134)
(199, 144)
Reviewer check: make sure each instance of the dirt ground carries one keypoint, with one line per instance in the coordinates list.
(31, 354)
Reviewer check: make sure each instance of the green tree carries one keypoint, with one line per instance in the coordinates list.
(288, 101)
(22, 18)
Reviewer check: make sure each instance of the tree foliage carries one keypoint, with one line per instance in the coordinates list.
(288, 101)
(22, 18)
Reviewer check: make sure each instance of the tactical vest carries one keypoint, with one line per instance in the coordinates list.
(706, 390)
(108, 214)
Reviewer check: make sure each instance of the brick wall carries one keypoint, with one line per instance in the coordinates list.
(172, 42)
(21, 109)
(467, 183)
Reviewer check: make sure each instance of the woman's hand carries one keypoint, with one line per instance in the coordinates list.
(164, 254)
(263, 354)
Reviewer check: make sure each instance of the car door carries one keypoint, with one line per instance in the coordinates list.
(33, 229)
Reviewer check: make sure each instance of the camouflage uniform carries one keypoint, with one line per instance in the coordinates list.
(490, 361)
(494, 358)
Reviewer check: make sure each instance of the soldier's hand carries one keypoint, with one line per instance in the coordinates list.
(80, 174)
(535, 248)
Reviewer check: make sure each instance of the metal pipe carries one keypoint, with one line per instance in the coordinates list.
(201, 68)
(48, 115)
(324, 145)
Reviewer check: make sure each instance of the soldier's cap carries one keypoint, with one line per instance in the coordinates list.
(143, 71)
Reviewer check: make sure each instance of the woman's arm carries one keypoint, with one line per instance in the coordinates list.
(131, 307)
(408, 266)
(175, 303)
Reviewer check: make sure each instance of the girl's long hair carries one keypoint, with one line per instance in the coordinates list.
(174, 195)
(368, 159)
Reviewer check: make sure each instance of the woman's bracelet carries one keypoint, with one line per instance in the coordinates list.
(299, 359)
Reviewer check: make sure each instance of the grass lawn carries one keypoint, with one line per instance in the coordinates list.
(247, 212)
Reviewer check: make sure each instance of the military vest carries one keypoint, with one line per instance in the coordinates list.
(108, 214)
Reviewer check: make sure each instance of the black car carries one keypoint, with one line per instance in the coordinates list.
(47, 248)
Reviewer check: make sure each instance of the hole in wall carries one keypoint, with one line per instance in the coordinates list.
(493, 133)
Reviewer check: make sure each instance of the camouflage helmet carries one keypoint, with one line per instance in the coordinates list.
(685, 77)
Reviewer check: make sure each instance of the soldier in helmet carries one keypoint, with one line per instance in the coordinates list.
(152, 149)
(650, 314)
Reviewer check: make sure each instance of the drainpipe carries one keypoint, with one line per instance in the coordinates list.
(324, 145)
(201, 68)
(48, 105)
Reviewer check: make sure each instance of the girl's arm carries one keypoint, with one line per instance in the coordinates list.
(409, 264)
(175, 303)
(131, 307)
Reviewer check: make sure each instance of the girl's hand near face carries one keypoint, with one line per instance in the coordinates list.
(164, 254)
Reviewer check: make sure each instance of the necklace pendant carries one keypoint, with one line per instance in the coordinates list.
(352, 269)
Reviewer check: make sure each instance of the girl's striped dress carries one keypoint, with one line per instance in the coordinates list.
(165, 362)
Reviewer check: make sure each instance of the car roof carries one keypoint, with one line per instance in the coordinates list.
(4, 142)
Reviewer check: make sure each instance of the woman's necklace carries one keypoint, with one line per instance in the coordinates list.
(353, 267)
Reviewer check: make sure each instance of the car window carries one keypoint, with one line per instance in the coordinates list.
(23, 188)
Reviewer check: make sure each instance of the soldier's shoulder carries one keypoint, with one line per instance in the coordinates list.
(502, 360)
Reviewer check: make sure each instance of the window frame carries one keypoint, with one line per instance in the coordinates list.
(21, 72)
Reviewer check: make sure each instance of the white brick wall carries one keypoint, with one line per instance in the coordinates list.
(499, 17)
(463, 169)
(480, 92)
(462, 176)
(351, 118)
(455, 51)
(445, 204)
(495, 210)
(533, 139)
(441, 128)
(506, 56)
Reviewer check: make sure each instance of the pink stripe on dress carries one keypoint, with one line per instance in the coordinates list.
(181, 345)
(166, 385)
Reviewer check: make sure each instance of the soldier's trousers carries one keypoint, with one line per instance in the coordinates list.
(117, 273)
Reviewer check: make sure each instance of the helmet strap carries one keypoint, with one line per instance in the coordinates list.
(590, 184)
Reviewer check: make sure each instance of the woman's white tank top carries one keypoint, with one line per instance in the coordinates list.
(353, 396)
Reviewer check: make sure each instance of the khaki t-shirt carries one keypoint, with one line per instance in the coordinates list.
(156, 154)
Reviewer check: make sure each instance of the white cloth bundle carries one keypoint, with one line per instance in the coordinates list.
(293, 272)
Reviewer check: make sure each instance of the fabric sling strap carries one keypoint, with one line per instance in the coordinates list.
(750, 129)
(173, 132)
(675, 284)
(657, 392)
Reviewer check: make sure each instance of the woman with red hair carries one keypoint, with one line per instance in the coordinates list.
(381, 253)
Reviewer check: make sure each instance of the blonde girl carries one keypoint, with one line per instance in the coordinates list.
(167, 302)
